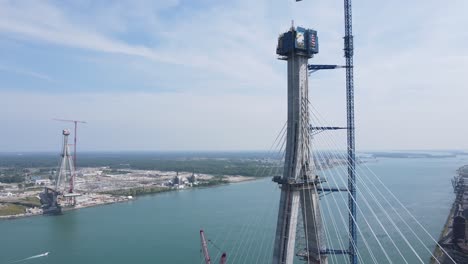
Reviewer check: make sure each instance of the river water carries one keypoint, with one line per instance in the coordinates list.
(238, 218)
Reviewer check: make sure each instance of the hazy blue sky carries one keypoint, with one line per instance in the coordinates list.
(203, 75)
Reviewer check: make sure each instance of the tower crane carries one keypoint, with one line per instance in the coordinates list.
(74, 146)
(351, 157)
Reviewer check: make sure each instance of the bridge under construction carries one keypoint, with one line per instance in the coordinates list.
(302, 231)
(53, 199)
(300, 184)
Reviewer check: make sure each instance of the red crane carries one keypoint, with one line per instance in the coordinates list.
(74, 146)
(223, 258)
(206, 253)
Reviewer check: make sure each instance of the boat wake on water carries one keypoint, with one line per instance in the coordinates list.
(32, 257)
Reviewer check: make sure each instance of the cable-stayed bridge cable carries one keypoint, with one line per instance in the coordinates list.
(380, 205)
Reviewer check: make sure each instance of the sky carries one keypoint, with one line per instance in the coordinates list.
(203, 75)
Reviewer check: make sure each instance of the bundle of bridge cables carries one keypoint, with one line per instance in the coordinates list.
(390, 229)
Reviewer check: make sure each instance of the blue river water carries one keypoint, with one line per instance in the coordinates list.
(237, 218)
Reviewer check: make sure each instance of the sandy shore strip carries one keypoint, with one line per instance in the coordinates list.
(97, 199)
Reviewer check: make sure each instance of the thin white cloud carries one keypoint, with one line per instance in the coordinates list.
(410, 60)
(25, 72)
(58, 30)
(215, 51)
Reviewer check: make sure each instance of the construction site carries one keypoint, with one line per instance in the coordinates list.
(322, 205)
(97, 186)
(72, 188)
(453, 238)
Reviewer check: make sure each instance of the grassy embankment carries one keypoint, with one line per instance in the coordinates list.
(11, 209)
(30, 201)
(19, 206)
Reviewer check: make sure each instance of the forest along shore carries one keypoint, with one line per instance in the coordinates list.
(102, 185)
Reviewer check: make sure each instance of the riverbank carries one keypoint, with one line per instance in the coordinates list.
(453, 244)
(151, 227)
(18, 208)
(13, 210)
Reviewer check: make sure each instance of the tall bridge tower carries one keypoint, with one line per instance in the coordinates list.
(67, 169)
(299, 181)
(51, 199)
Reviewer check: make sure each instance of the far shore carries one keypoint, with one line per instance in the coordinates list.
(106, 199)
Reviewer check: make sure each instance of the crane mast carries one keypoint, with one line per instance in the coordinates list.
(74, 148)
(348, 53)
(206, 254)
(204, 245)
(351, 150)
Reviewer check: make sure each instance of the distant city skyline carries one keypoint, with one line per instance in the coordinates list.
(184, 76)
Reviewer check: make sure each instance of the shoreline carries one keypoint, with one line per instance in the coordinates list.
(449, 248)
(121, 199)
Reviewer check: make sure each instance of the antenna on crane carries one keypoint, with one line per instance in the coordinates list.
(74, 146)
